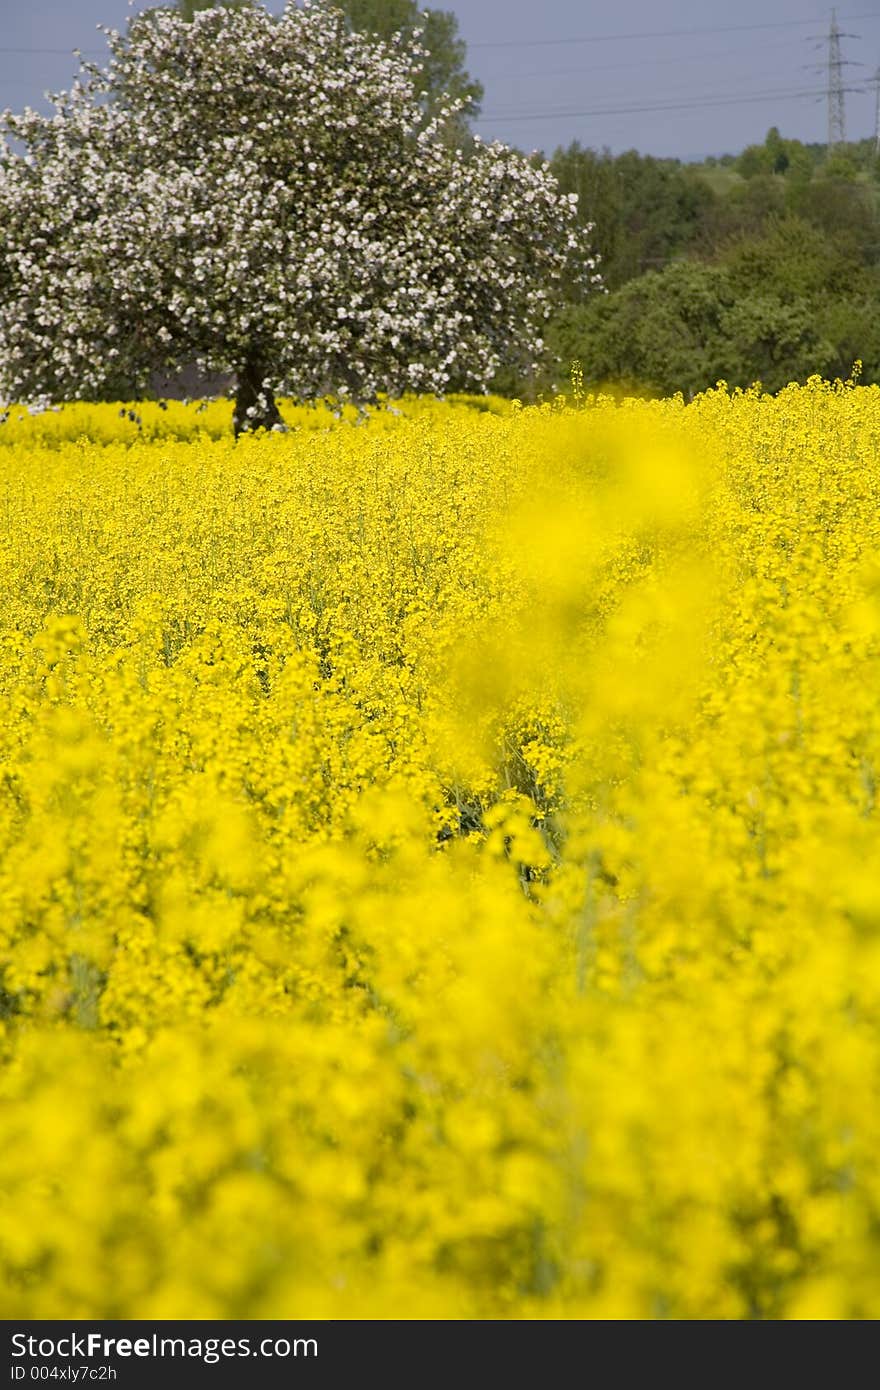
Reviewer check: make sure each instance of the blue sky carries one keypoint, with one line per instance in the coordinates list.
(668, 77)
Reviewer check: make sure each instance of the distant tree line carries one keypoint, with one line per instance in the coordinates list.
(762, 266)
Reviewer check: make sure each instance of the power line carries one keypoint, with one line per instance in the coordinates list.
(653, 34)
(733, 87)
(544, 43)
(563, 72)
(659, 99)
(692, 104)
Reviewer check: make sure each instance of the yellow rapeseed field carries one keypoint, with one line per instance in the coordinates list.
(440, 867)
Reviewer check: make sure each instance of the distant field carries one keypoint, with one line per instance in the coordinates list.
(439, 864)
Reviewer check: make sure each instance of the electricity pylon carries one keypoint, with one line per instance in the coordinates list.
(833, 69)
(836, 109)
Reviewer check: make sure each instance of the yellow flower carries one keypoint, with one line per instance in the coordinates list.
(439, 861)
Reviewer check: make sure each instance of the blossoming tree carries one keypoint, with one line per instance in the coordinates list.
(266, 196)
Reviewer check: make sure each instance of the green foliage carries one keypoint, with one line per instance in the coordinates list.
(775, 156)
(753, 162)
(645, 210)
(846, 211)
(662, 329)
(444, 71)
(684, 328)
(841, 164)
(764, 266)
(774, 307)
(798, 260)
(744, 211)
(787, 158)
(777, 151)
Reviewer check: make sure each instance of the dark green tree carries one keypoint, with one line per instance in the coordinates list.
(773, 157)
(593, 178)
(661, 331)
(774, 307)
(646, 211)
(444, 71)
(801, 164)
(754, 162)
(686, 327)
(794, 258)
(845, 211)
(744, 211)
(777, 151)
(841, 165)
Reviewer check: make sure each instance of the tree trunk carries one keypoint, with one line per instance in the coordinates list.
(255, 407)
